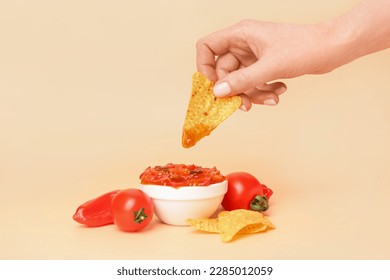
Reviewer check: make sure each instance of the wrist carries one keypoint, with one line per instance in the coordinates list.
(341, 43)
(361, 31)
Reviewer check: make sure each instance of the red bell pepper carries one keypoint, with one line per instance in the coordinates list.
(96, 212)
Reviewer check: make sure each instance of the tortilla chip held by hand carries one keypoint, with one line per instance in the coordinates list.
(205, 111)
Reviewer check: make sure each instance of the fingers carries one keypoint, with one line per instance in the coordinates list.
(211, 46)
(237, 72)
(276, 87)
(225, 64)
(207, 49)
(266, 98)
(246, 103)
(215, 58)
(243, 79)
(267, 94)
(205, 60)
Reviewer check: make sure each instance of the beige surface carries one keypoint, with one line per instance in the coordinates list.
(92, 92)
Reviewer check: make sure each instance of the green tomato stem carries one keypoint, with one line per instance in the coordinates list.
(139, 216)
(259, 203)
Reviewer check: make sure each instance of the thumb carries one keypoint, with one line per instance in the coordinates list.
(242, 80)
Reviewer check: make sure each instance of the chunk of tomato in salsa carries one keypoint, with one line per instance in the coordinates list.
(178, 175)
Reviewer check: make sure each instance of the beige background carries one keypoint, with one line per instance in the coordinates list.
(93, 92)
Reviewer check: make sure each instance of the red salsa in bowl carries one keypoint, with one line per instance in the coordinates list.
(180, 175)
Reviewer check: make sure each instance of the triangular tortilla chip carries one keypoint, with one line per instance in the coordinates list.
(205, 111)
(205, 224)
(231, 223)
(241, 221)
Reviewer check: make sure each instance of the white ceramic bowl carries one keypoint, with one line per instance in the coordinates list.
(173, 205)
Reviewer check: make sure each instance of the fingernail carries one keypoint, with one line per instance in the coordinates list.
(280, 90)
(243, 108)
(221, 89)
(269, 102)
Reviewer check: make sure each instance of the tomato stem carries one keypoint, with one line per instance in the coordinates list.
(139, 216)
(259, 203)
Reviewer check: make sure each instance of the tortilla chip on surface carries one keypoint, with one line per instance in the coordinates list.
(232, 223)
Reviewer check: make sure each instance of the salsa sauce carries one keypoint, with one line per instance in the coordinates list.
(179, 175)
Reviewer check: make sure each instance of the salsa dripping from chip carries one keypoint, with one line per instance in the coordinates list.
(205, 111)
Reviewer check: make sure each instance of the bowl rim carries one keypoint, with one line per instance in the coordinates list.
(185, 192)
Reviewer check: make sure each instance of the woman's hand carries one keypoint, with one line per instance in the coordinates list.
(248, 57)
(245, 58)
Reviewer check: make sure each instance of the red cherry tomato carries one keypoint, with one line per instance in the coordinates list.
(132, 209)
(245, 192)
